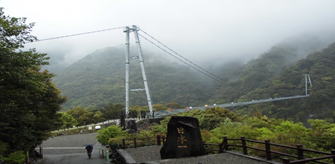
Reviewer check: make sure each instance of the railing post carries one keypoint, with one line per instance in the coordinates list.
(224, 144)
(102, 153)
(123, 143)
(268, 150)
(135, 143)
(164, 139)
(244, 146)
(107, 156)
(27, 157)
(41, 151)
(221, 146)
(158, 140)
(300, 152)
(286, 161)
(333, 153)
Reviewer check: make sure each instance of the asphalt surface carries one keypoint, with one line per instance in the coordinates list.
(71, 150)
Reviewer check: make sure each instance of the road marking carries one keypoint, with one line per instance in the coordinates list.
(60, 148)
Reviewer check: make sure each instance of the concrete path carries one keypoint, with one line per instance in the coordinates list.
(152, 154)
(71, 150)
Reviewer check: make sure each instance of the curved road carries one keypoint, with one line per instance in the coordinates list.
(70, 149)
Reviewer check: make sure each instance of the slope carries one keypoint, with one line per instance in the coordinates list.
(258, 72)
(321, 103)
(98, 79)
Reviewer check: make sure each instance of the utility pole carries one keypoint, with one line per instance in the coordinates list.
(135, 30)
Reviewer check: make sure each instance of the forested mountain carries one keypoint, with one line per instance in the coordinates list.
(321, 103)
(258, 72)
(98, 79)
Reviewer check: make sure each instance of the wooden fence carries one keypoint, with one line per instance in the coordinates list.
(288, 155)
(139, 142)
(265, 149)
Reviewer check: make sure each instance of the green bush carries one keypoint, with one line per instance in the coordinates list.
(110, 132)
(17, 157)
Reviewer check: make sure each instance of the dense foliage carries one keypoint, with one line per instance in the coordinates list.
(113, 131)
(28, 99)
(78, 116)
(215, 123)
(83, 116)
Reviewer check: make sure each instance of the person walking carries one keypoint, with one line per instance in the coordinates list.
(89, 149)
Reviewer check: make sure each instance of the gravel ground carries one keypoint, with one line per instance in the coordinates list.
(151, 153)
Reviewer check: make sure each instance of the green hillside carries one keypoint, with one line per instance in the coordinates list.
(98, 79)
(258, 72)
(321, 104)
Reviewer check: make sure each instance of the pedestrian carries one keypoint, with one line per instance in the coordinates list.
(89, 149)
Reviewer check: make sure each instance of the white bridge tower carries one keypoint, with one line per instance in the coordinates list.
(135, 30)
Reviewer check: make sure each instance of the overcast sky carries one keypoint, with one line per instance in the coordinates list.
(195, 28)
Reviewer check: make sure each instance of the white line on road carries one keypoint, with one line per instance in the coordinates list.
(60, 148)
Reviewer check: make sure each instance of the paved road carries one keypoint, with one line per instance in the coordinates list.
(70, 150)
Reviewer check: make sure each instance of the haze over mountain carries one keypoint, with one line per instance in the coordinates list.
(321, 67)
(222, 30)
(98, 78)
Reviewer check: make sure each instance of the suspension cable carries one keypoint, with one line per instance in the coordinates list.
(179, 55)
(183, 61)
(77, 34)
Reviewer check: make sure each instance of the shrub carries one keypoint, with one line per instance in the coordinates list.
(110, 132)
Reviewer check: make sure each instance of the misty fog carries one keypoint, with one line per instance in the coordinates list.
(204, 31)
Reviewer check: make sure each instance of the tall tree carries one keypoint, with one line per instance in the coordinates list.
(28, 98)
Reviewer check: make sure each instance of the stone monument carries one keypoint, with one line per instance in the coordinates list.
(183, 138)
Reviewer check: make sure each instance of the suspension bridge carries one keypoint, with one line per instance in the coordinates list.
(139, 33)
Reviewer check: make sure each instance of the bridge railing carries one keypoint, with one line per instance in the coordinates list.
(272, 151)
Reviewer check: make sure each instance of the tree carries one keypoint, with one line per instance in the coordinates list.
(82, 115)
(28, 98)
(112, 111)
(68, 120)
(159, 107)
(98, 117)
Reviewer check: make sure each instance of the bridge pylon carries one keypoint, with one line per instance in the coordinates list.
(134, 29)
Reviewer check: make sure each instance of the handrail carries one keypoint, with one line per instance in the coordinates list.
(268, 150)
(269, 154)
(312, 159)
(254, 141)
(319, 152)
(284, 146)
